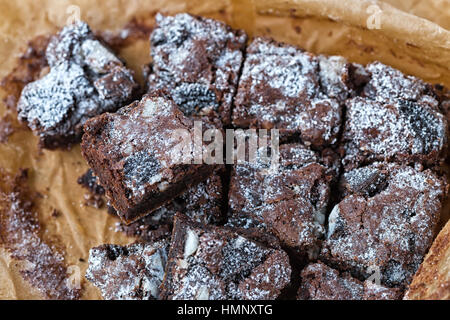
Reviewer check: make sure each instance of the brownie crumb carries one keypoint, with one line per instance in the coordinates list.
(56, 213)
(89, 181)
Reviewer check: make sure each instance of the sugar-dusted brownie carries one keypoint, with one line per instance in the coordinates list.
(320, 282)
(198, 61)
(140, 157)
(85, 79)
(132, 272)
(214, 263)
(284, 87)
(398, 118)
(386, 223)
(202, 203)
(289, 202)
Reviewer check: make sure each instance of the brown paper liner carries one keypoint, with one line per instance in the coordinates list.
(405, 41)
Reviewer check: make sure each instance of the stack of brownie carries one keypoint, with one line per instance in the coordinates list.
(349, 211)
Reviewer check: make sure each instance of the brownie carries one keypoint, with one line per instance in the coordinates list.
(215, 263)
(132, 272)
(139, 157)
(320, 282)
(397, 119)
(284, 87)
(289, 202)
(198, 61)
(202, 203)
(85, 79)
(386, 222)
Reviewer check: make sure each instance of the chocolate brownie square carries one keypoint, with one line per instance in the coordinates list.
(143, 155)
(198, 61)
(397, 119)
(289, 202)
(320, 282)
(132, 272)
(202, 203)
(216, 263)
(284, 87)
(85, 79)
(386, 223)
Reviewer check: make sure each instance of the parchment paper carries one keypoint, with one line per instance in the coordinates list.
(414, 45)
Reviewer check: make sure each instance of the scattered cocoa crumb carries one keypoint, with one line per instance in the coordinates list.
(21, 234)
(56, 213)
(6, 128)
(89, 181)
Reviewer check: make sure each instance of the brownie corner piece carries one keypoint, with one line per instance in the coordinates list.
(197, 60)
(85, 79)
(397, 118)
(385, 223)
(320, 282)
(136, 155)
(132, 272)
(400, 131)
(217, 263)
(286, 88)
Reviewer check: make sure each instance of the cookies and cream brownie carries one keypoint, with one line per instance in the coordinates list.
(320, 282)
(132, 272)
(397, 119)
(85, 79)
(289, 201)
(140, 156)
(386, 222)
(284, 87)
(198, 61)
(215, 263)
